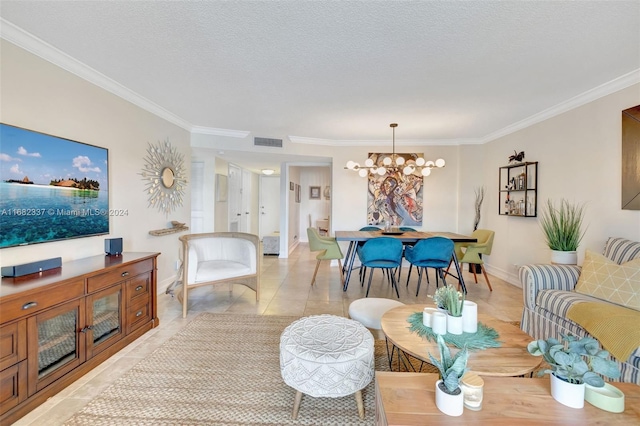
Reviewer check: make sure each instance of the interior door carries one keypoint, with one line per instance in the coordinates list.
(269, 205)
(235, 198)
(246, 192)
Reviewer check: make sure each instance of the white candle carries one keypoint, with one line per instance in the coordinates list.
(426, 316)
(439, 323)
(470, 317)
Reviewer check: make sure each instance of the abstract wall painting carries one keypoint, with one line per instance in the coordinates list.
(395, 198)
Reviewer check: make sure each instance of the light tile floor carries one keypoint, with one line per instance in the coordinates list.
(285, 290)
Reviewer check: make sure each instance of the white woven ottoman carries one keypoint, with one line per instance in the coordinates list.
(326, 356)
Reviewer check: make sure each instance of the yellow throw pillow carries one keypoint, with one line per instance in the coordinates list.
(606, 280)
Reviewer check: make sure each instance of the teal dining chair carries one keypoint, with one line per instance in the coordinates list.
(382, 253)
(434, 252)
(363, 270)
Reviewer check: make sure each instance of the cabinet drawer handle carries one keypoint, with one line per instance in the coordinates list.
(87, 328)
(29, 305)
(139, 313)
(124, 274)
(139, 288)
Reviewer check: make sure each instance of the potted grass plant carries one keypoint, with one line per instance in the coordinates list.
(449, 396)
(574, 363)
(563, 230)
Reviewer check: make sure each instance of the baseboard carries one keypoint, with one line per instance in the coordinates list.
(511, 278)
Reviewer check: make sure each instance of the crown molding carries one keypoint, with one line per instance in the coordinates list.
(378, 142)
(44, 50)
(598, 92)
(219, 132)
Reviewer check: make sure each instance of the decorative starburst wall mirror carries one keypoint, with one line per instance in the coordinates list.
(165, 177)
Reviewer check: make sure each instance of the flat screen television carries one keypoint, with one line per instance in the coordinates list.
(51, 188)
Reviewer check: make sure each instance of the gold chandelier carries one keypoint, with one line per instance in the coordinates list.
(395, 163)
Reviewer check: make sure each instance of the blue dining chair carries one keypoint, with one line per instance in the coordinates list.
(363, 270)
(383, 253)
(406, 229)
(434, 252)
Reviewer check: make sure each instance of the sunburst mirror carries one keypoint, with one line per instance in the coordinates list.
(165, 177)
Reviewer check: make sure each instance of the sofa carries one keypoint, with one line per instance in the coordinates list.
(219, 257)
(550, 293)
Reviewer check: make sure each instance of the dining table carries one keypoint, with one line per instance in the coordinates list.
(407, 237)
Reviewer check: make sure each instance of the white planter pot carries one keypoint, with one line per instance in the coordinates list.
(564, 257)
(566, 393)
(454, 325)
(451, 405)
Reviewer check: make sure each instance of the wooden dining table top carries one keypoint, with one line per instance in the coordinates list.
(510, 359)
(406, 236)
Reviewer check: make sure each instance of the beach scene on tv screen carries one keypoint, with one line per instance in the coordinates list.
(51, 188)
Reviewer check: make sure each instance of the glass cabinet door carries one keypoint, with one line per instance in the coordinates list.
(53, 335)
(105, 316)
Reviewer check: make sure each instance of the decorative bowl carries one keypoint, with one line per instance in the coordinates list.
(608, 398)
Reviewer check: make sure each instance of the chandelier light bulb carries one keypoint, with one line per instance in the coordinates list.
(394, 163)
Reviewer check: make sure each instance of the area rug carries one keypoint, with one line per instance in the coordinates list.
(221, 369)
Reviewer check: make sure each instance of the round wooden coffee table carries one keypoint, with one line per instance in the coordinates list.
(510, 359)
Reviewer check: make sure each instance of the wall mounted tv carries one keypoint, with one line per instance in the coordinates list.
(51, 188)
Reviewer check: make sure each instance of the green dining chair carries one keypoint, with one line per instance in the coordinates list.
(471, 252)
(328, 248)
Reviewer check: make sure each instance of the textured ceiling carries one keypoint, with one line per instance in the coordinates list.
(344, 70)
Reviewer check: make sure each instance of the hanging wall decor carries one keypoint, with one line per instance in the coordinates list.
(394, 197)
(165, 176)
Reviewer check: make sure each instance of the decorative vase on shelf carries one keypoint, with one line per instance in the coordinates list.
(564, 257)
(454, 324)
(451, 405)
(569, 394)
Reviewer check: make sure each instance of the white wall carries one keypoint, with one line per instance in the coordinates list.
(579, 155)
(40, 96)
(292, 220)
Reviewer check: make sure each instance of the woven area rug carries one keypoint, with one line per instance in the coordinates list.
(221, 369)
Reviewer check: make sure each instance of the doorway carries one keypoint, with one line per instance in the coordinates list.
(269, 205)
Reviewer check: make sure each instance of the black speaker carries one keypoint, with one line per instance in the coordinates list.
(113, 246)
(31, 268)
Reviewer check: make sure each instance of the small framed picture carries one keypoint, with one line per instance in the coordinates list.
(291, 186)
(297, 193)
(314, 192)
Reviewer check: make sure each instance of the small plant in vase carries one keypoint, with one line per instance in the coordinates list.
(452, 301)
(439, 296)
(574, 362)
(449, 396)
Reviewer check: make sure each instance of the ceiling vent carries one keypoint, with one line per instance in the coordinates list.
(276, 143)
